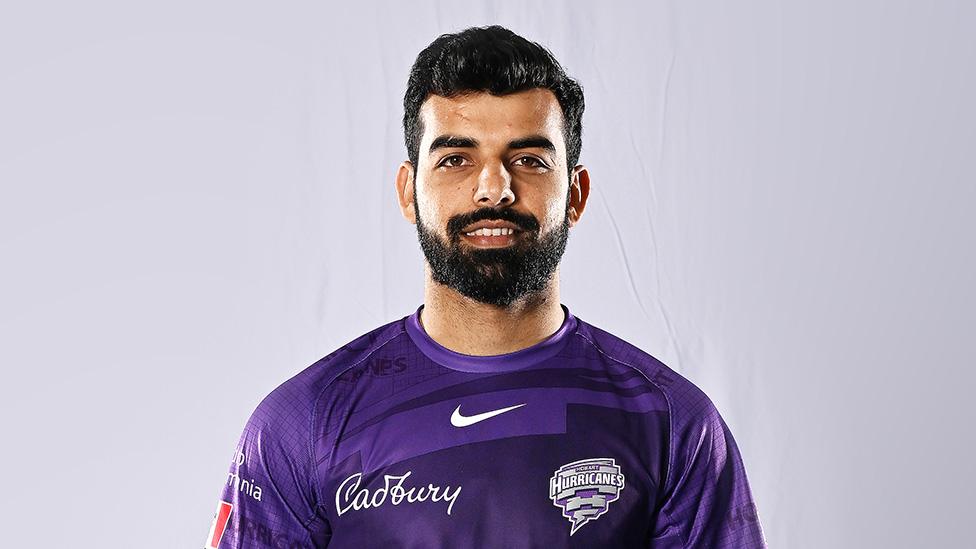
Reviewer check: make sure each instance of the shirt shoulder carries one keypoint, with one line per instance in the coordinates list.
(690, 410)
(706, 500)
(685, 399)
(291, 411)
(293, 402)
(271, 496)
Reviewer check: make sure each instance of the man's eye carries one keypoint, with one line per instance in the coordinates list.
(454, 160)
(531, 162)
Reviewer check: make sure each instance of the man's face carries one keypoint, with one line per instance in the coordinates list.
(496, 163)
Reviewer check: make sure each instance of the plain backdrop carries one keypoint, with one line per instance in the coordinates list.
(197, 203)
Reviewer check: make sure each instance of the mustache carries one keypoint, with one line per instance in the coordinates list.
(523, 222)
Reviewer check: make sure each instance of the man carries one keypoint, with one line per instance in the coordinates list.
(491, 416)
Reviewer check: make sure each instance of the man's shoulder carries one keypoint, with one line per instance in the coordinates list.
(686, 401)
(295, 398)
(327, 369)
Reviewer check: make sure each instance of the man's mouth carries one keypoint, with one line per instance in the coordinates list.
(492, 237)
(487, 231)
(491, 233)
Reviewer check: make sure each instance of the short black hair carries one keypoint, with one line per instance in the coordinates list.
(489, 59)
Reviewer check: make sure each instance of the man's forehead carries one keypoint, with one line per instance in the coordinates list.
(534, 111)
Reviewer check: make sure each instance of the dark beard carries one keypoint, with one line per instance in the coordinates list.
(495, 276)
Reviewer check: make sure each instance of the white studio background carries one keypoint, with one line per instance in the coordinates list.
(197, 203)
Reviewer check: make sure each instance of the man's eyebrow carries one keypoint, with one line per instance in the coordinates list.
(532, 142)
(454, 141)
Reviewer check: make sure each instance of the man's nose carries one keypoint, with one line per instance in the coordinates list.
(494, 186)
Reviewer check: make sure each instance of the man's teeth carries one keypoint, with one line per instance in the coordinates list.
(491, 232)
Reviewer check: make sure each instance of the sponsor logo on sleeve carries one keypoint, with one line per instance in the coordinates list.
(247, 487)
(585, 489)
(219, 525)
(252, 529)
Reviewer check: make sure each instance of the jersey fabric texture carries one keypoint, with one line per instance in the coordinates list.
(393, 440)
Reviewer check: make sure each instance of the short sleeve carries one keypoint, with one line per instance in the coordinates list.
(269, 497)
(706, 501)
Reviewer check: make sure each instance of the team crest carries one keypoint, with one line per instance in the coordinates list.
(584, 489)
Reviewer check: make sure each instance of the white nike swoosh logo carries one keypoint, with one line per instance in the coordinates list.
(459, 420)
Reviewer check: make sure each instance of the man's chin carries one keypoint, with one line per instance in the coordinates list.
(490, 292)
(496, 255)
(488, 274)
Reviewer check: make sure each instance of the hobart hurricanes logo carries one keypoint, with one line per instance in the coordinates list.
(584, 489)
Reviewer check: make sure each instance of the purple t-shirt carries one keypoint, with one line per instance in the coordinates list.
(581, 440)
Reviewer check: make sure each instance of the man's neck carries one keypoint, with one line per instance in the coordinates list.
(466, 326)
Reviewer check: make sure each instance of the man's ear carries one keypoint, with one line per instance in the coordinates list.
(404, 189)
(579, 192)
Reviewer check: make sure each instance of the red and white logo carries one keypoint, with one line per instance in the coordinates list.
(219, 524)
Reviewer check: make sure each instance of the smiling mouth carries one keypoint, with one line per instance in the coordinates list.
(487, 238)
